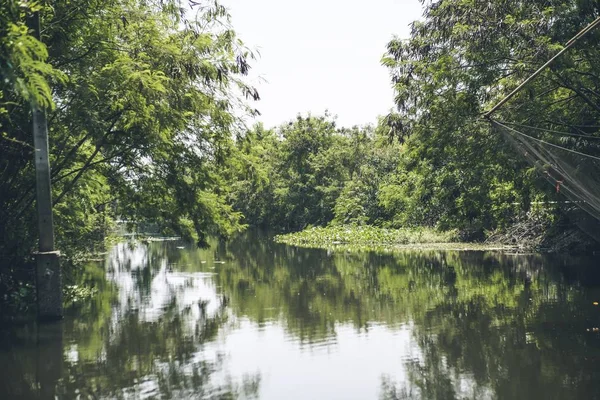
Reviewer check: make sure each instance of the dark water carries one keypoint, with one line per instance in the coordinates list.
(252, 319)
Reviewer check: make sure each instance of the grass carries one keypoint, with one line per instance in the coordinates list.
(367, 236)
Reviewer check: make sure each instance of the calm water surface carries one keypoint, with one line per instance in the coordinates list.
(251, 319)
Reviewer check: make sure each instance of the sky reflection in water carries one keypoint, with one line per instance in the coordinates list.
(253, 319)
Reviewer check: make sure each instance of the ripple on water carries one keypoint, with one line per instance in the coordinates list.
(296, 324)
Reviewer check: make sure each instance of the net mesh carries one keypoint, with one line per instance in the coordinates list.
(559, 158)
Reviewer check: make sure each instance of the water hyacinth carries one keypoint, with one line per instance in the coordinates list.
(366, 235)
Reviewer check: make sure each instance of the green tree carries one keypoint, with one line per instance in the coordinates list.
(460, 59)
(140, 118)
(311, 172)
(373, 160)
(290, 177)
(253, 177)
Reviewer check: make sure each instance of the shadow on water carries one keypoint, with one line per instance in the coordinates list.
(250, 318)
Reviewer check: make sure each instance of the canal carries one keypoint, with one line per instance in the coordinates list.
(252, 319)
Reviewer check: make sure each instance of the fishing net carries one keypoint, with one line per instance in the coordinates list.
(559, 158)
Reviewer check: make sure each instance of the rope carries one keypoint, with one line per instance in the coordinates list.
(568, 45)
(552, 131)
(544, 142)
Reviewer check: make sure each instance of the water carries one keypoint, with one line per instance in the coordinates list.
(251, 319)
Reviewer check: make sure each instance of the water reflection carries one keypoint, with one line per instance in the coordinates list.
(252, 319)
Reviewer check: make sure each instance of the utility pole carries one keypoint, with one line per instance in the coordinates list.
(48, 273)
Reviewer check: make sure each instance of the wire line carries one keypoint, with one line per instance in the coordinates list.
(552, 131)
(568, 45)
(544, 142)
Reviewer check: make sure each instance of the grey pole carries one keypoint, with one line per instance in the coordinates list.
(48, 273)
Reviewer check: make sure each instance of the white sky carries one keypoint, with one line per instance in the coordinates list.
(322, 54)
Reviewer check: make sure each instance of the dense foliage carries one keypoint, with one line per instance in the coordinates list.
(310, 172)
(461, 58)
(140, 114)
(443, 165)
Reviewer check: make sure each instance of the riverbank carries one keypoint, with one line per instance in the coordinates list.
(373, 238)
(366, 235)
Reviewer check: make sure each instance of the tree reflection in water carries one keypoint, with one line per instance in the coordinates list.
(142, 337)
(478, 325)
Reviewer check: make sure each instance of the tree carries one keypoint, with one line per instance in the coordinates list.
(459, 60)
(372, 162)
(291, 177)
(141, 117)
